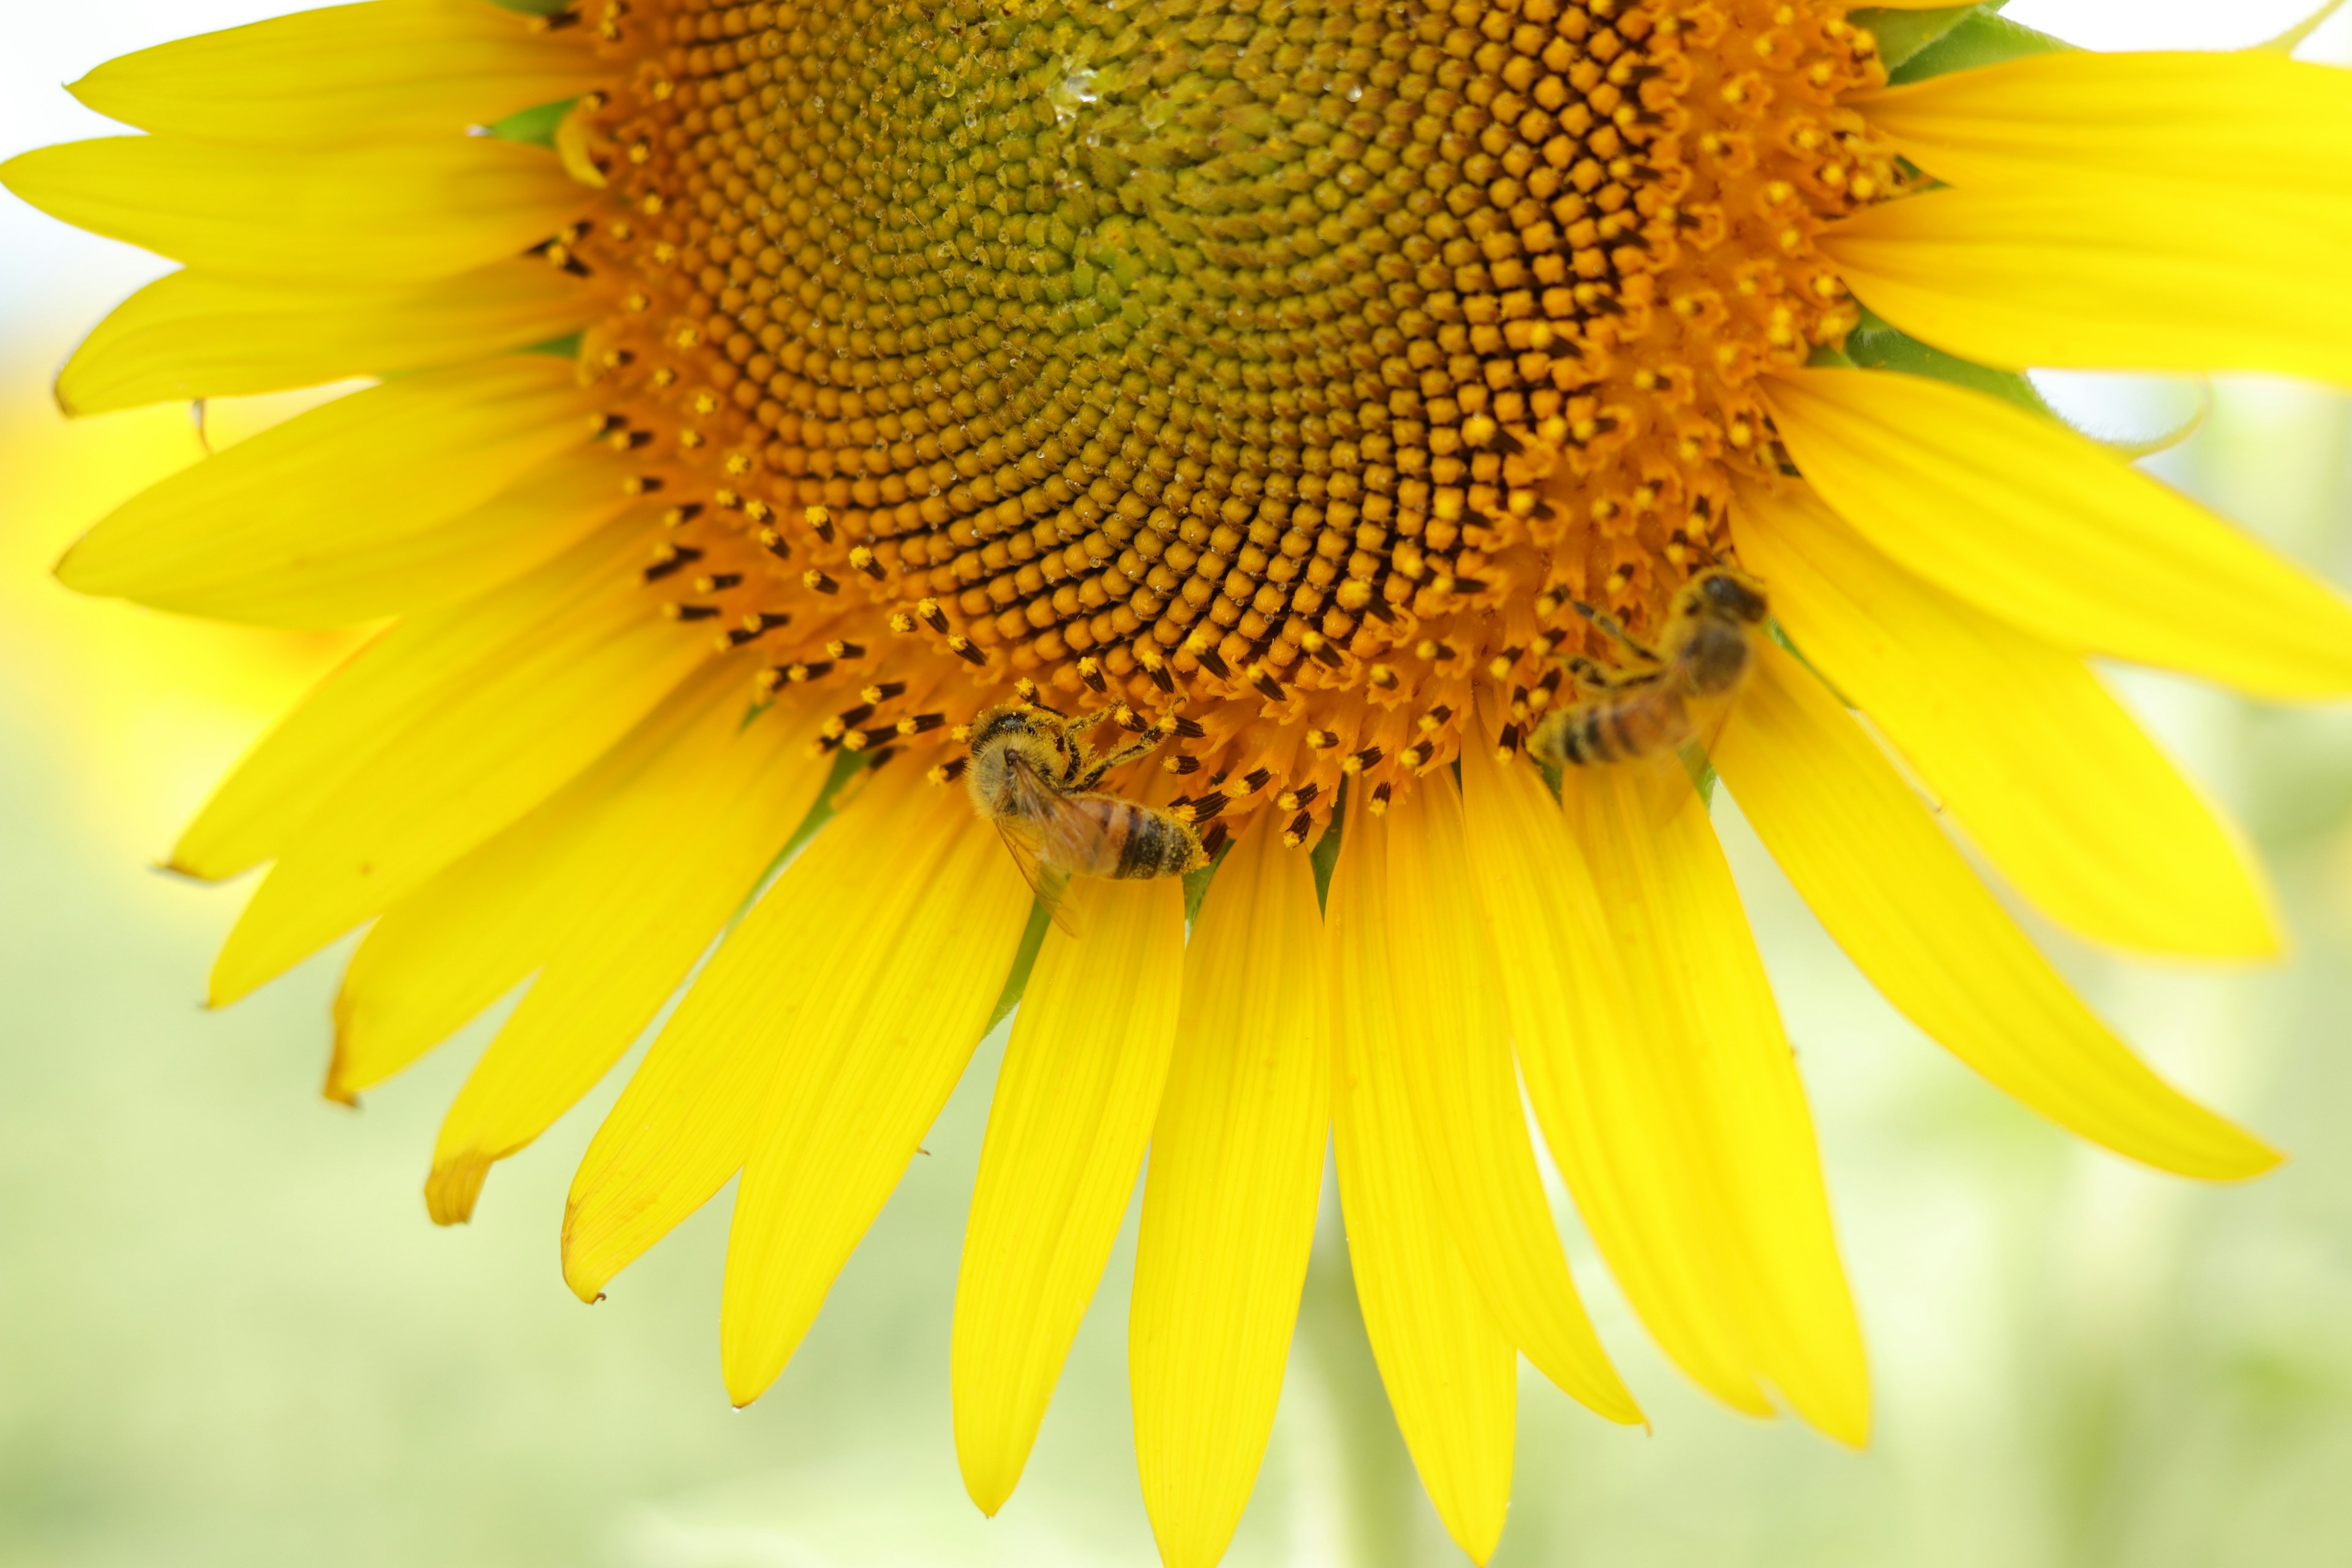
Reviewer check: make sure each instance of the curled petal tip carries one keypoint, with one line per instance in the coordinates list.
(452, 1186)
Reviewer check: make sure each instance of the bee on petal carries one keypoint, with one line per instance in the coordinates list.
(1033, 775)
(1674, 697)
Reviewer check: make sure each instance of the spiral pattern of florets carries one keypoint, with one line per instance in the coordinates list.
(1299, 365)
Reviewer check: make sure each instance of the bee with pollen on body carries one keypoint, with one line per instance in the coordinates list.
(1033, 774)
(1676, 696)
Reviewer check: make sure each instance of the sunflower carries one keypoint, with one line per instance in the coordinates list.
(1342, 402)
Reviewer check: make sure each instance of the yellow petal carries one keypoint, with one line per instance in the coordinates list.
(1716, 1109)
(1898, 898)
(687, 1120)
(238, 536)
(375, 215)
(2231, 121)
(1229, 1202)
(864, 1061)
(456, 775)
(2029, 521)
(679, 840)
(1074, 1107)
(349, 73)
(2108, 274)
(1453, 1040)
(1655, 1060)
(571, 144)
(441, 955)
(191, 334)
(517, 531)
(405, 673)
(2039, 767)
(468, 936)
(1573, 1021)
(1450, 1371)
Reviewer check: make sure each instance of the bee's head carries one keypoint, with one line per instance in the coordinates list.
(999, 723)
(1729, 594)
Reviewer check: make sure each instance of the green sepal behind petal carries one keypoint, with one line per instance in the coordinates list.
(534, 127)
(1196, 884)
(1874, 345)
(1325, 856)
(1977, 41)
(1903, 34)
(1016, 980)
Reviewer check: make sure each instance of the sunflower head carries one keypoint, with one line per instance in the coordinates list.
(1173, 419)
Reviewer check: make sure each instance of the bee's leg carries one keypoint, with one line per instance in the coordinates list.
(1024, 694)
(1617, 633)
(1082, 723)
(1079, 766)
(1149, 742)
(1061, 731)
(1590, 675)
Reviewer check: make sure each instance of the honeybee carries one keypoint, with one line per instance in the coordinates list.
(1674, 694)
(1033, 776)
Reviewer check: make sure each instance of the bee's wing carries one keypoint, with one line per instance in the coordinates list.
(1706, 727)
(1674, 781)
(1049, 834)
(1664, 783)
(1044, 880)
(1078, 832)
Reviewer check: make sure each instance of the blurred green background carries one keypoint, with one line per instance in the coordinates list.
(229, 1335)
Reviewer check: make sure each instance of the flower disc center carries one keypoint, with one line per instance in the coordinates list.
(1302, 363)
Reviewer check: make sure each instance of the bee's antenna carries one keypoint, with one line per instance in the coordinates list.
(1598, 618)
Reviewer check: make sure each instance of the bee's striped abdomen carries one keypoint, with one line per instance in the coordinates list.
(1640, 721)
(1156, 846)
